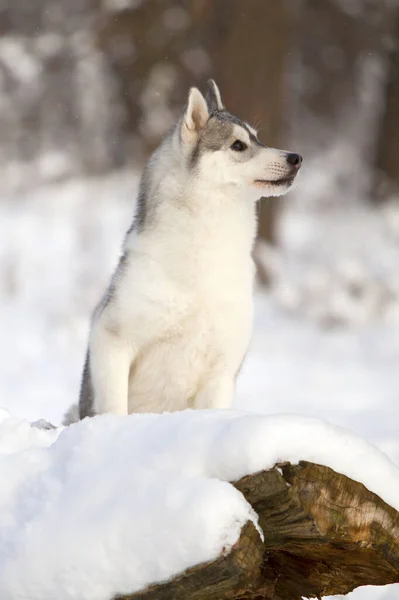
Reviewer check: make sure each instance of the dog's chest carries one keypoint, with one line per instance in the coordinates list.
(197, 277)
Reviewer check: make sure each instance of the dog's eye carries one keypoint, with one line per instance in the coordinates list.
(238, 146)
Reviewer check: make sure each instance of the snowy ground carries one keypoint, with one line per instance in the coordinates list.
(62, 495)
(326, 340)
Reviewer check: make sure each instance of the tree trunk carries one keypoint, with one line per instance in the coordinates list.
(387, 176)
(249, 65)
(324, 534)
(156, 51)
(339, 70)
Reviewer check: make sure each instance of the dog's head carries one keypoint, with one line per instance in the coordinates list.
(222, 149)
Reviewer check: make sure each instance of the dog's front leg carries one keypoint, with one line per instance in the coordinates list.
(110, 360)
(218, 392)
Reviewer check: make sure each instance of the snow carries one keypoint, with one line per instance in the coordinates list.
(82, 516)
(389, 592)
(349, 377)
(58, 244)
(112, 504)
(332, 360)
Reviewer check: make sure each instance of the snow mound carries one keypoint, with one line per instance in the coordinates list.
(111, 504)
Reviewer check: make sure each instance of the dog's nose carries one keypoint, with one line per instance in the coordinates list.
(294, 159)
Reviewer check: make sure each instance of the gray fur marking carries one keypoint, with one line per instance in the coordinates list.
(86, 398)
(72, 415)
(142, 207)
(228, 117)
(147, 203)
(215, 136)
(213, 99)
(218, 134)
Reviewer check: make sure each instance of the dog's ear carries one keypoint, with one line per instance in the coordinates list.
(213, 97)
(196, 115)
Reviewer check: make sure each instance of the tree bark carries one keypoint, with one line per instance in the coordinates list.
(324, 534)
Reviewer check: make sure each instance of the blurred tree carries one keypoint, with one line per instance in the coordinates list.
(57, 112)
(337, 76)
(158, 49)
(250, 66)
(387, 163)
(99, 81)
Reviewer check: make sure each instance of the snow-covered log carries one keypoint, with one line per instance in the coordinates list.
(324, 534)
(200, 505)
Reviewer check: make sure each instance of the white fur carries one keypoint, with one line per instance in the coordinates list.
(177, 328)
(216, 95)
(182, 315)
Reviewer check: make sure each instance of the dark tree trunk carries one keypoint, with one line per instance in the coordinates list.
(249, 65)
(339, 72)
(144, 41)
(387, 164)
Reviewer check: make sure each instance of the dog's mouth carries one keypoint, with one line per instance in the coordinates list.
(284, 181)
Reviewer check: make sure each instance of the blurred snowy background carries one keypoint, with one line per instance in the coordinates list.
(88, 87)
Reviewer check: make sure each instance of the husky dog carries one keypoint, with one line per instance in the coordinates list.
(173, 328)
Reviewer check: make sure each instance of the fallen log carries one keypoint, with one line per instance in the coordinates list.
(324, 534)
